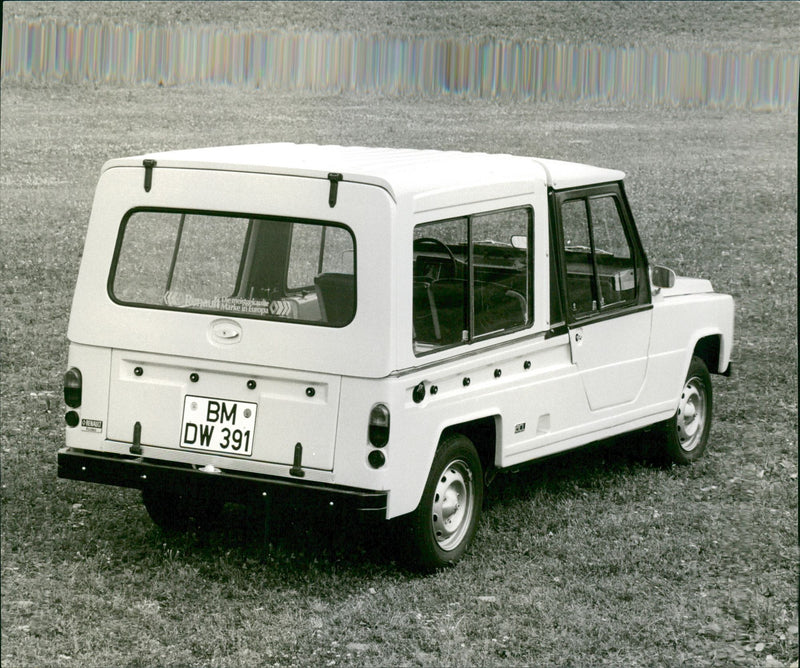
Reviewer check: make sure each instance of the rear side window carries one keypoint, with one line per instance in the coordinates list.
(472, 278)
(292, 270)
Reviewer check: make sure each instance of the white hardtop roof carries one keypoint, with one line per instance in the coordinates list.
(401, 172)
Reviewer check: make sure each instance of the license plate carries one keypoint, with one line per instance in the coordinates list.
(218, 425)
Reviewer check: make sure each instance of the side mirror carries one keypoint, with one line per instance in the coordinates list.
(661, 277)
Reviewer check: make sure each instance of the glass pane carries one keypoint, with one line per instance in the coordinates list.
(578, 253)
(208, 258)
(609, 235)
(237, 265)
(502, 300)
(441, 294)
(304, 256)
(144, 259)
(318, 249)
(576, 226)
(615, 265)
(338, 253)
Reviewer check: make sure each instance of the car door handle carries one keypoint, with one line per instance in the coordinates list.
(225, 332)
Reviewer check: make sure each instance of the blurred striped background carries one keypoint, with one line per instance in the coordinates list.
(59, 51)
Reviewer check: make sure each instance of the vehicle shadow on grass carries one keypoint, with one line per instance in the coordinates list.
(287, 534)
(584, 467)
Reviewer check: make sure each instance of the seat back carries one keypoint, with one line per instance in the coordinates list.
(426, 319)
(337, 297)
(451, 302)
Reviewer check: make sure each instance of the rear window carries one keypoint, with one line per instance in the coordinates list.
(260, 267)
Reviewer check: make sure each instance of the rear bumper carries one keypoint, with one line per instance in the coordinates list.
(137, 472)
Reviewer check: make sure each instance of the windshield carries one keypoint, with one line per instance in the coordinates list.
(261, 267)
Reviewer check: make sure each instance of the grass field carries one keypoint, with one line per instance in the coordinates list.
(598, 557)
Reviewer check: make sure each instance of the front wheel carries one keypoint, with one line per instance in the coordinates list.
(446, 519)
(686, 433)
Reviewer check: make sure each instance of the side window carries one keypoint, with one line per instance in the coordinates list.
(581, 294)
(500, 274)
(615, 265)
(441, 284)
(472, 278)
(575, 220)
(609, 235)
(600, 263)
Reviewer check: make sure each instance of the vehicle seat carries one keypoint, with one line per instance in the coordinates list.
(426, 318)
(449, 302)
(498, 307)
(337, 297)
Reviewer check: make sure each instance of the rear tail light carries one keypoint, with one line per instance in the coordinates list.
(379, 426)
(73, 387)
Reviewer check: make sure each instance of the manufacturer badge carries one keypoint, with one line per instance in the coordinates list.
(92, 425)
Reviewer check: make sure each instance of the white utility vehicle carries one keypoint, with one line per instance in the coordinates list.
(380, 327)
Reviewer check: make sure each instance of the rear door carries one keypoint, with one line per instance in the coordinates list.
(608, 308)
(237, 276)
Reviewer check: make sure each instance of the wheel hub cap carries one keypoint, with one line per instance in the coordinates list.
(691, 414)
(452, 505)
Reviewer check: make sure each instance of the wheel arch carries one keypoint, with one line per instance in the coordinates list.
(709, 348)
(483, 434)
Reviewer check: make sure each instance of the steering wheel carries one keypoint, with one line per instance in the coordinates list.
(430, 241)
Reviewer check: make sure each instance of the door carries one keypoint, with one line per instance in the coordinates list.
(606, 291)
(222, 280)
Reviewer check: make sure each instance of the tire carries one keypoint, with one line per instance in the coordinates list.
(173, 511)
(444, 523)
(686, 433)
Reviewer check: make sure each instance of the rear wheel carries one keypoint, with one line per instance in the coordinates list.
(444, 523)
(686, 433)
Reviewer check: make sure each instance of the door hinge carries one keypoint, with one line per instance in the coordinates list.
(148, 174)
(334, 178)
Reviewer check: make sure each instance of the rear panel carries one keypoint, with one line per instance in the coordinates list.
(201, 350)
(249, 413)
